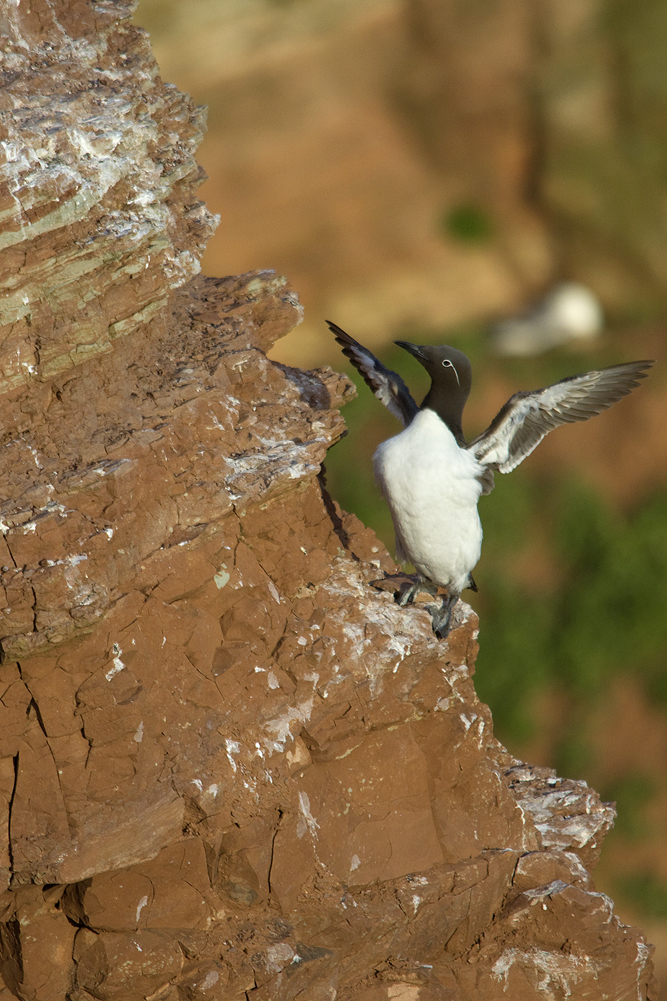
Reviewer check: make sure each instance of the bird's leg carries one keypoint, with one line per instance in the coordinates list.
(407, 592)
(441, 617)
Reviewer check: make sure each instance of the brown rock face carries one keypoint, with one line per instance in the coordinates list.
(229, 767)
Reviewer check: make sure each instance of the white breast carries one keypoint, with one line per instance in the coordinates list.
(432, 489)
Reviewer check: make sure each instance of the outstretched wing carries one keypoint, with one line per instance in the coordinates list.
(527, 417)
(387, 386)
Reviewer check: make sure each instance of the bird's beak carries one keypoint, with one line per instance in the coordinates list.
(412, 349)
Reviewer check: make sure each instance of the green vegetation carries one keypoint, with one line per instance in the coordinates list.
(647, 893)
(604, 613)
(632, 795)
(468, 223)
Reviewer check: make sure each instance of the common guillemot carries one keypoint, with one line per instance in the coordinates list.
(432, 478)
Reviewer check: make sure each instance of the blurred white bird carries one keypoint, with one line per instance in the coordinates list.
(569, 312)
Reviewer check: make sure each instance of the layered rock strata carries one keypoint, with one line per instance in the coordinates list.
(229, 767)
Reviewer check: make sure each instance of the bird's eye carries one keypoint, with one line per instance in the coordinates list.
(446, 363)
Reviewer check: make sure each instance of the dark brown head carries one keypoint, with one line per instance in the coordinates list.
(451, 379)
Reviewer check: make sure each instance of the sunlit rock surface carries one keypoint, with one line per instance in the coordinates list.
(229, 767)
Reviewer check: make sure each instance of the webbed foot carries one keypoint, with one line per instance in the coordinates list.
(441, 617)
(408, 591)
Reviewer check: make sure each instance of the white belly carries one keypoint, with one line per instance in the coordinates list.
(432, 489)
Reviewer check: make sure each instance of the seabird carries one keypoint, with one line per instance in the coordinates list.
(569, 312)
(432, 478)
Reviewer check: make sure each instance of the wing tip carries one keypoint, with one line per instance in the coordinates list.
(346, 342)
(633, 373)
(640, 369)
(644, 367)
(334, 328)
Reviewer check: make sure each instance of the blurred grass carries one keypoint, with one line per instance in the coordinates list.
(646, 891)
(468, 223)
(632, 794)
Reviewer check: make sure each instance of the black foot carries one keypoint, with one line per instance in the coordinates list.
(406, 594)
(441, 617)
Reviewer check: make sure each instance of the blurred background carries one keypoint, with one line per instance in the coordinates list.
(432, 170)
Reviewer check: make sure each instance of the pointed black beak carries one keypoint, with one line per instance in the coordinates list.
(412, 349)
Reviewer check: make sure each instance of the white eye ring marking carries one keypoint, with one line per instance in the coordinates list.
(447, 363)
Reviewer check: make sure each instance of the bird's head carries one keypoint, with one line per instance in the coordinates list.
(449, 369)
(451, 379)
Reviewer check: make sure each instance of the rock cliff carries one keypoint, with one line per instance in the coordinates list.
(229, 767)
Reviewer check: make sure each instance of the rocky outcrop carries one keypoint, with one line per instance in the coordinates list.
(229, 766)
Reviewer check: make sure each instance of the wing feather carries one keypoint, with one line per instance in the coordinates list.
(385, 384)
(526, 418)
